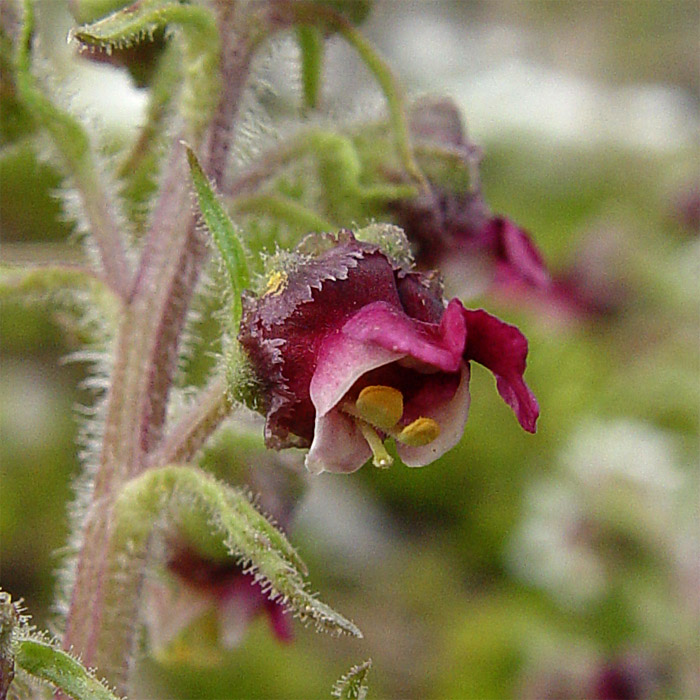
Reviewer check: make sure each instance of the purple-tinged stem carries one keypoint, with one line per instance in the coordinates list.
(146, 355)
(190, 433)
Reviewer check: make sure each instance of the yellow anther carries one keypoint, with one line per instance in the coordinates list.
(421, 432)
(276, 282)
(381, 406)
(380, 457)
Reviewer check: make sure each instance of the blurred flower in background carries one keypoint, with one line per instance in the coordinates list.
(581, 524)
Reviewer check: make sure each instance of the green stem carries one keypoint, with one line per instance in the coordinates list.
(74, 149)
(310, 43)
(311, 13)
(284, 209)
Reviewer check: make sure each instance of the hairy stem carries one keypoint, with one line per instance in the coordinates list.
(190, 433)
(146, 355)
(237, 53)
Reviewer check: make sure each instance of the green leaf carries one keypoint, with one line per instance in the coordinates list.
(212, 514)
(46, 662)
(22, 648)
(353, 685)
(223, 231)
(201, 45)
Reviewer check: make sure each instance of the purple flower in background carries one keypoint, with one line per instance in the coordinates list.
(350, 348)
(238, 597)
(615, 682)
(456, 231)
(685, 207)
(592, 287)
(199, 585)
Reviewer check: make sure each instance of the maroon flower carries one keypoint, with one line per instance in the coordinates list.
(236, 594)
(198, 586)
(349, 347)
(592, 288)
(456, 231)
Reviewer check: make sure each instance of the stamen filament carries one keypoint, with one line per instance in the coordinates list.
(380, 457)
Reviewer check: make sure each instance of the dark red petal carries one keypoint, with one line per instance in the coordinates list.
(502, 348)
(280, 622)
(515, 249)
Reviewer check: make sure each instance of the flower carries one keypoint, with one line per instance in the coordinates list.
(236, 593)
(200, 601)
(197, 585)
(592, 288)
(350, 347)
(454, 229)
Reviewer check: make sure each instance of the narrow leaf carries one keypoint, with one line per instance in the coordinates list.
(24, 649)
(222, 230)
(353, 685)
(46, 662)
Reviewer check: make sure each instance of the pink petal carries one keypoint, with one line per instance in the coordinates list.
(518, 253)
(439, 347)
(280, 622)
(338, 445)
(451, 416)
(503, 349)
(342, 360)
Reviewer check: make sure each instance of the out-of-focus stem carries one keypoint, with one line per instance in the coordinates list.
(313, 13)
(74, 149)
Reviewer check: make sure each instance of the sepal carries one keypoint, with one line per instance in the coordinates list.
(353, 685)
